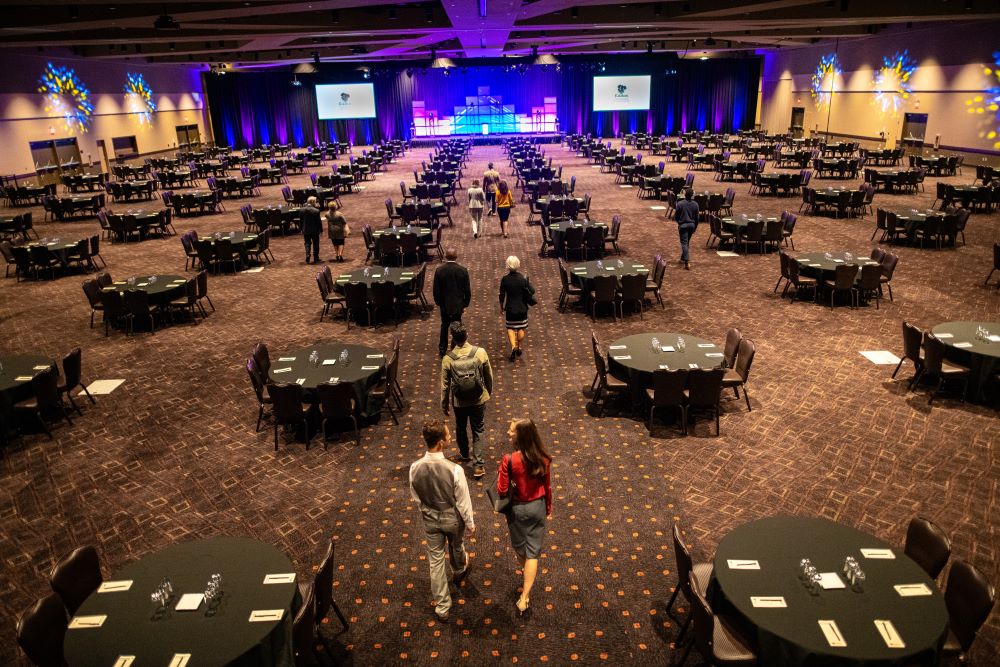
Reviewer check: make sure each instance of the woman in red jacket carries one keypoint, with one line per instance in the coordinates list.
(531, 500)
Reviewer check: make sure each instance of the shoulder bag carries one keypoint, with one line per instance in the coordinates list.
(501, 504)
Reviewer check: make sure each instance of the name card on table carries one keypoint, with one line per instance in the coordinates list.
(286, 578)
(963, 345)
(776, 602)
(124, 661)
(179, 660)
(713, 354)
(944, 335)
(115, 586)
(813, 265)
(912, 590)
(334, 380)
(23, 378)
(374, 356)
(262, 615)
(280, 370)
(993, 338)
(706, 344)
(884, 554)
(743, 564)
(693, 366)
(81, 622)
(286, 358)
(622, 357)
(41, 367)
(832, 633)
(300, 381)
(616, 347)
(664, 367)
(370, 368)
(830, 581)
(889, 634)
(668, 348)
(190, 602)
(329, 362)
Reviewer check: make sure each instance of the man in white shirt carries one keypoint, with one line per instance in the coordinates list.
(443, 493)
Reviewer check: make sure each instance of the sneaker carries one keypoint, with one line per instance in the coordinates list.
(478, 472)
(461, 458)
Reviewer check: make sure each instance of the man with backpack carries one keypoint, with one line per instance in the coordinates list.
(466, 384)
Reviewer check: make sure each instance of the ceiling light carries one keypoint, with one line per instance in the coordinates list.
(166, 22)
(295, 81)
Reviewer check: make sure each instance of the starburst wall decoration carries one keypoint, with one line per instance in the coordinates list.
(66, 97)
(824, 80)
(892, 82)
(987, 106)
(139, 98)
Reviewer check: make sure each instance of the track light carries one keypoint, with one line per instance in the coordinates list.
(295, 81)
(710, 41)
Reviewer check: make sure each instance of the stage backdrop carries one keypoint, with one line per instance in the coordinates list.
(253, 108)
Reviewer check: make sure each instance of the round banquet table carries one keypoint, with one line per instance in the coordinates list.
(362, 370)
(585, 272)
(401, 278)
(638, 369)
(12, 389)
(424, 234)
(981, 357)
(163, 289)
(558, 231)
(792, 635)
(223, 636)
(913, 220)
(818, 265)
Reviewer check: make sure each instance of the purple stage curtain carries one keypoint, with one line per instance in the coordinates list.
(253, 108)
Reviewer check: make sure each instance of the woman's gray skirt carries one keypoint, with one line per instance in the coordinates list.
(526, 522)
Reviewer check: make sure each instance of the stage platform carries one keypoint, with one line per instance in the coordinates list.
(491, 139)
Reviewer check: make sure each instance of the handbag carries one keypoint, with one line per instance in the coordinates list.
(529, 296)
(501, 504)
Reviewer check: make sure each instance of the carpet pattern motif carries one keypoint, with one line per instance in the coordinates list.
(172, 454)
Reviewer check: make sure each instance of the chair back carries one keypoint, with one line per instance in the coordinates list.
(754, 231)
(286, 400)
(262, 358)
(927, 545)
(889, 264)
(137, 303)
(774, 230)
(336, 401)
(45, 387)
(605, 288)
(303, 628)
(702, 619)
(877, 254)
(563, 274)
(323, 583)
(633, 287)
(356, 296)
(668, 387)
(573, 238)
(41, 631)
(733, 338)
(388, 244)
(113, 303)
(969, 598)
(704, 385)
(72, 368)
(256, 379)
(383, 293)
(744, 358)
(76, 576)
(844, 275)
(871, 275)
(593, 237)
(684, 563)
(93, 292)
(933, 355)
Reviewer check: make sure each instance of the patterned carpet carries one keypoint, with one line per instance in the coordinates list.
(172, 454)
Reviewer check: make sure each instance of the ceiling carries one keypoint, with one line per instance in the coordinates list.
(268, 32)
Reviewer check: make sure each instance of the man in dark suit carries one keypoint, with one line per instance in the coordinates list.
(312, 227)
(452, 294)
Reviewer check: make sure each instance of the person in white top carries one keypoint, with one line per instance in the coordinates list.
(443, 493)
(477, 198)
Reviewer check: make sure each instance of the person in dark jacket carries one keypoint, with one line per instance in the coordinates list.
(516, 296)
(686, 215)
(312, 227)
(452, 294)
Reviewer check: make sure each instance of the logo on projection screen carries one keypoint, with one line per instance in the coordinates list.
(345, 98)
(621, 90)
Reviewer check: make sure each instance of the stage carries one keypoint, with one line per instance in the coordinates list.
(492, 139)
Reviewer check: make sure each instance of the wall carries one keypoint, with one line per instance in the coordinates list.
(950, 63)
(177, 93)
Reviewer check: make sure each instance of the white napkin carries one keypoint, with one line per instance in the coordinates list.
(963, 344)
(668, 348)
(329, 362)
(286, 358)
(124, 661)
(993, 338)
(280, 370)
(706, 344)
(886, 554)
(40, 367)
(374, 356)
(262, 615)
(300, 381)
(115, 586)
(713, 354)
(334, 380)
(664, 367)
(831, 581)
(912, 590)
(189, 602)
(369, 368)
(774, 602)
(693, 366)
(743, 564)
(179, 660)
(286, 578)
(22, 378)
(79, 622)
(944, 335)
(889, 634)
(622, 357)
(832, 633)
(616, 347)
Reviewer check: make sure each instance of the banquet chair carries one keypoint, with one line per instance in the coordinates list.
(93, 293)
(138, 306)
(262, 357)
(384, 392)
(72, 369)
(889, 263)
(733, 338)
(257, 382)
(717, 638)
(573, 241)
(604, 290)
(593, 241)
(568, 288)
(996, 265)
(337, 403)
(867, 285)
(927, 546)
(913, 339)
(547, 242)
(774, 233)
(203, 291)
(843, 280)
(304, 629)
(613, 236)
(323, 590)
(667, 392)
(685, 584)
(416, 292)
(383, 297)
(753, 233)
(356, 301)
(632, 289)
(76, 576)
(783, 260)
(409, 245)
(45, 399)
(607, 384)
(969, 597)
(655, 284)
(41, 631)
(736, 376)
(936, 366)
(329, 297)
(704, 387)
(287, 408)
(225, 253)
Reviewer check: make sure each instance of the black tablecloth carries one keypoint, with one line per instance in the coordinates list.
(161, 290)
(983, 358)
(792, 636)
(818, 265)
(582, 274)
(638, 371)
(361, 371)
(225, 637)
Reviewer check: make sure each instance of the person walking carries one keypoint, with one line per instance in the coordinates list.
(446, 508)
(476, 200)
(337, 229)
(525, 475)
(686, 214)
(452, 294)
(312, 227)
(504, 203)
(491, 179)
(466, 385)
(516, 296)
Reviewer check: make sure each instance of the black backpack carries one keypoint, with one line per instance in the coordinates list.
(466, 375)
